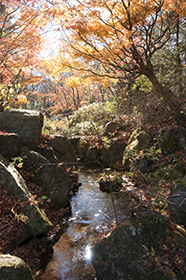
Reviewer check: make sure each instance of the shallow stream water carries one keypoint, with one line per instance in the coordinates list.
(92, 215)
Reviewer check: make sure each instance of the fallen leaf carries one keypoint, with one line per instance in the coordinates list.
(173, 274)
(152, 252)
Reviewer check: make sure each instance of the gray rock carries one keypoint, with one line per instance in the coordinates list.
(179, 197)
(50, 176)
(110, 153)
(143, 164)
(123, 253)
(37, 222)
(113, 151)
(93, 154)
(141, 137)
(63, 150)
(14, 268)
(138, 141)
(84, 144)
(10, 145)
(26, 123)
(48, 153)
(171, 141)
(75, 143)
(178, 202)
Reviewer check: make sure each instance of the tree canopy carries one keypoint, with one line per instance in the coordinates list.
(111, 41)
(100, 43)
(21, 28)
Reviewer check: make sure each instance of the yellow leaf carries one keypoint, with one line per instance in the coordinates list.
(152, 251)
(165, 247)
(146, 249)
(173, 274)
(157, 261)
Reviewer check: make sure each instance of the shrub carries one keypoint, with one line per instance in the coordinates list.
(94, 112)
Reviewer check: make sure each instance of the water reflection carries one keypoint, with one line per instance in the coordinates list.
(92, 214)
(88, 253)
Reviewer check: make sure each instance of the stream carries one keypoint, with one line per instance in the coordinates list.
(92, 215)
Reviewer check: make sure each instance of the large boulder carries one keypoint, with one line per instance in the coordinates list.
(177, 204)
(110, 153)
(74, 140)
(171, 141)
(50, 176)
(63, 150)
(10, 144)
(48, 153)
(14, 268)
(37, 222)
(141, 163)
(113, 151)
(84, 145)
(93, 154)
(26, 123)
(140, 249)
(138, 141)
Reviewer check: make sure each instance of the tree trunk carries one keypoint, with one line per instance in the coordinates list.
(178, 60)
(168, 97)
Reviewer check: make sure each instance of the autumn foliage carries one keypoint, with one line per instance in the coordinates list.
(108, 42)
(21, 31)
(97, 45)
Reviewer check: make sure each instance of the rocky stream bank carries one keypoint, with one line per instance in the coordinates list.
(38, 175)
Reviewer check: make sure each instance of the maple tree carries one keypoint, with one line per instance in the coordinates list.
(54, 96)
(109, 41)
(21, 29)
(58, 98)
